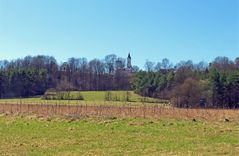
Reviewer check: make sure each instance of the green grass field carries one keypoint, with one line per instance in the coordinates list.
(90, 98)
(31, 135)
(100, 96)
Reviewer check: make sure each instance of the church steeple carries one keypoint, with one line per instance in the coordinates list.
(129, 56)
(129, 66)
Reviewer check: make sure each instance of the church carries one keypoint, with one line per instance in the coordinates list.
(128, 69)
(124, 75)
(129, 65)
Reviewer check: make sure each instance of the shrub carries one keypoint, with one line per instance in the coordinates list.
(62, 96)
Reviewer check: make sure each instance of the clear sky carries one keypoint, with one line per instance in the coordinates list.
(198, 30)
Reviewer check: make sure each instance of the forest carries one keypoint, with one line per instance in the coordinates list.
(185, 84)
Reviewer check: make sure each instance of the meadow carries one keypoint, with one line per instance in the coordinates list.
(94, 126)
(90, 98)
(34, 135)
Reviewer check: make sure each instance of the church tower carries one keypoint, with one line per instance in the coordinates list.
(129, 66)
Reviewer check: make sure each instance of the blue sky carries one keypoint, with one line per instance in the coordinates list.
(198, 30)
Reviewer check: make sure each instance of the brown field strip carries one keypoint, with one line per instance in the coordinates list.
(120, 111)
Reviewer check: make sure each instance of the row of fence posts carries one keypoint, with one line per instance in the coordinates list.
(97, 110)
(64, 109)
(101, 110)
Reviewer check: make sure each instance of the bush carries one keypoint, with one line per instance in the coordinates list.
(108, 96)
(62, 96)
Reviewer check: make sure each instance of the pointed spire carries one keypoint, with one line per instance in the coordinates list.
(129, 56)
(129, 66)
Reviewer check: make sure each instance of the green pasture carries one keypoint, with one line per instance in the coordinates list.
(31, 135)
(91, 98)
(115, 96)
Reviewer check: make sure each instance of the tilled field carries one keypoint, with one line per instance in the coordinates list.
(121, 111)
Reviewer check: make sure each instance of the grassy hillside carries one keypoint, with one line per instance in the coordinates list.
(90, 97)
(101, 136)
(100, 96)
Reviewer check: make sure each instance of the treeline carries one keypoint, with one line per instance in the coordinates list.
(191, 85)
(185, 84)
(34, 75)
